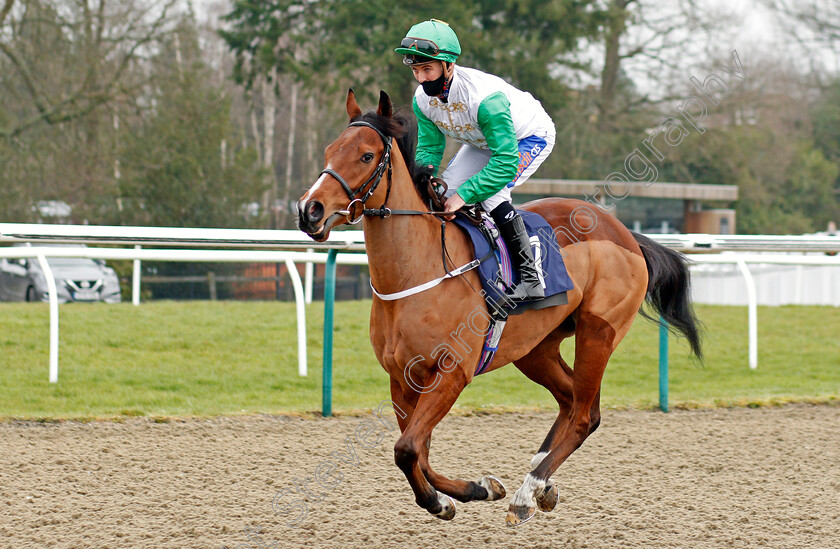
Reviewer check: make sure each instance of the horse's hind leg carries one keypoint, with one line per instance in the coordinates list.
(544, 365)
(595, 341)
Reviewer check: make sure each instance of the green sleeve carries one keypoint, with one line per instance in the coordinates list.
(496, 124)
(430, 141)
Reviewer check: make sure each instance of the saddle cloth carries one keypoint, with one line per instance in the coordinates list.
(496, 273)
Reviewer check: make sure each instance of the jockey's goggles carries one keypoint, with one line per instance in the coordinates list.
(423, 47)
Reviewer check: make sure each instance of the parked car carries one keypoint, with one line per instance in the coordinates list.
(76, 279)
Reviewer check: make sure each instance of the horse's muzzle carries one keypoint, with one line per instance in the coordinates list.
(310, 215)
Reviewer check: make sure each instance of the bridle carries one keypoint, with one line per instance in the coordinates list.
(385, 212)
(372, 182)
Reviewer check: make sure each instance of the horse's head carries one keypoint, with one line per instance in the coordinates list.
(354, 165)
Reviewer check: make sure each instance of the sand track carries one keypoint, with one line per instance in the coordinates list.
(718, 478)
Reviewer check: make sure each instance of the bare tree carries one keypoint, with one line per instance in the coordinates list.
(820, 17)
(649, 40)
(7, 7)
(814, 25)
(62, 59)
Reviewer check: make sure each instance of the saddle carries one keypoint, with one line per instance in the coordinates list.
(498, 276)
(495, 269)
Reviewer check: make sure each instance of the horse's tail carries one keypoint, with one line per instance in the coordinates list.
(668, 291)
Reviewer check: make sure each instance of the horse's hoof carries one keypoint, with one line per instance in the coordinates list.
(547, 500)
(447, 507)
(518, 514)
(495, 488)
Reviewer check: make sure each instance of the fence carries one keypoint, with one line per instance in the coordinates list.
(694, 244)
(180, 237)
(138, 255)
(258, 281)
(776, 284)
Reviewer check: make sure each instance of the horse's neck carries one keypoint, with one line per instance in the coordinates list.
(401, 248)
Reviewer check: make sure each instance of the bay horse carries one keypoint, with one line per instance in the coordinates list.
(613, 269)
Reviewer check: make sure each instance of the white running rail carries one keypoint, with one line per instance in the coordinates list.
(138, 255)
(702, 249)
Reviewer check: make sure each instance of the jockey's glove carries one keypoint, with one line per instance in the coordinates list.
(422, 174)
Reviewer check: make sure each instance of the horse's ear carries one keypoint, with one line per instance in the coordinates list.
(385, 109)
(353, 109)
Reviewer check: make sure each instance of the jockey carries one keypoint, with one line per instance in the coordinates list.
(505, 135)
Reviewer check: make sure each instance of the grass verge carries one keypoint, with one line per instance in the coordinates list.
(166, 359)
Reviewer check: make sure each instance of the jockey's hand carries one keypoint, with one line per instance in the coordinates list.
(423, 174)
(453, 204)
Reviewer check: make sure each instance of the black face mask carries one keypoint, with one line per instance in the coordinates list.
(434, 88)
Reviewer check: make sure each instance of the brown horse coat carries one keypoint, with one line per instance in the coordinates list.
(430, 342)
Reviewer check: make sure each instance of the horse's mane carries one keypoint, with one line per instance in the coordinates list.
(403, 129)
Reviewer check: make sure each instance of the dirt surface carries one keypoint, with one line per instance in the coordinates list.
(719, 478)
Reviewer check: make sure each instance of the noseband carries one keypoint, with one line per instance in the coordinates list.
(372, 182)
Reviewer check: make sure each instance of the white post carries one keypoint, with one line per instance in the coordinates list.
(53, 317)
(752, 307)
(300, 305)
(825, 286)
(799, 272)
(310, 274)
(135, 281)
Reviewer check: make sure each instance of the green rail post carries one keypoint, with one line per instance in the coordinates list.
(329, 305)
(663, 365)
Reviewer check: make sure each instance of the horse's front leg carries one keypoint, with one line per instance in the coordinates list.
(487, 488)
(432, 491)
(461, 490)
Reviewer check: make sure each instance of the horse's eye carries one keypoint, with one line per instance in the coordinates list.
(367, 158)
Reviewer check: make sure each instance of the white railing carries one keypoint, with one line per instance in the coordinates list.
(354, 240)
(741, 260)
(289, 258)
(343, 240)
(716, 243)
(176, 236)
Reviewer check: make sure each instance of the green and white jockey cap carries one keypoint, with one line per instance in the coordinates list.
(428, 41)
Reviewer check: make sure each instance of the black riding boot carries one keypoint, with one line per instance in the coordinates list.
(522, 256)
